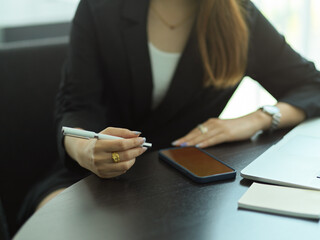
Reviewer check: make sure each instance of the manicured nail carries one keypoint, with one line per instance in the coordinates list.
(174, 143)
(183, 144)
(199, 145)
(136, 132)
(142, 140)
(144, 149)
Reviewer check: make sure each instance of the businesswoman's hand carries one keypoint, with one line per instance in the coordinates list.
(215, 130)
(96, 155)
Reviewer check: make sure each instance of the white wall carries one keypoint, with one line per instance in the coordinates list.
(299, 21)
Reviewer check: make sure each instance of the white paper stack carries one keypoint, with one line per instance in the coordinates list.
(282, 200)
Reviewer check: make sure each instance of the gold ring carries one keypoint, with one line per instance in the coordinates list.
(115, 157)
(202, 129)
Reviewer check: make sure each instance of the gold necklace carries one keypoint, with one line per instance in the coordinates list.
(170, 25)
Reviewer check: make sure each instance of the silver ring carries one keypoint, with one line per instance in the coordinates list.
(202, 128)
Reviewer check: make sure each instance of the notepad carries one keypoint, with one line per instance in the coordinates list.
(281, 200)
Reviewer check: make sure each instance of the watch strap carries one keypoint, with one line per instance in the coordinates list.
(276, 117)
(275, 122)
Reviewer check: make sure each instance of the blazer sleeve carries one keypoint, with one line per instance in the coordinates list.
(279, 69)
(79, 99)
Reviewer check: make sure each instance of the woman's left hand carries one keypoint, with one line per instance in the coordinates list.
(215, 131)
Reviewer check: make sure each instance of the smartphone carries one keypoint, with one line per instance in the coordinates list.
(197, 164)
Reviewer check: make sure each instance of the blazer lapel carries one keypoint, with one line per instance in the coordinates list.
(186, 82)
(187, 78)
(136, 42)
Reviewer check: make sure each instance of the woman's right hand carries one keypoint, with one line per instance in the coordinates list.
(96, 155)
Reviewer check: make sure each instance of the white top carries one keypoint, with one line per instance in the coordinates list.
(163, 66)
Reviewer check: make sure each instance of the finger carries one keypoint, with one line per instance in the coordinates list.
(106, 157)
(192, 134)
(130, 154)
(195, 137)
(220, 138)
(107, 173)
(119, 145)
(114, 169)
(203, 136)
(121, 132)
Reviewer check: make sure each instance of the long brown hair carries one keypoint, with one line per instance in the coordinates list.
(223, 41)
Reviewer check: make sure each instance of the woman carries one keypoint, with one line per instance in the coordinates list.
(168, 68)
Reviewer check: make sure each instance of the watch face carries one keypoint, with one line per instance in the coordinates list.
(271, 109)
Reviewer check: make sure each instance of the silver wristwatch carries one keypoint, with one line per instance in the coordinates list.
(274, 112)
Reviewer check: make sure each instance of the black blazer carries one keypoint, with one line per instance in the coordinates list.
(108, 79)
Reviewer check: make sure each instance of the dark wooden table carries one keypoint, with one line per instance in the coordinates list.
(154, 201)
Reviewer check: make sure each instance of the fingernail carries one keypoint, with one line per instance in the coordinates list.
(136, 132)
(144, 149)
(183, 144)
(142, 140)
(199, 145)
(174, 143)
